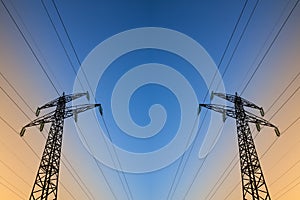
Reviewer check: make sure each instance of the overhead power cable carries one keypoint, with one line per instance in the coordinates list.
(286, 88)
(29, 46)
(12, 190)
(33, 151)
(274, 39)
(181, 164)
(87, 80)
(270, 46)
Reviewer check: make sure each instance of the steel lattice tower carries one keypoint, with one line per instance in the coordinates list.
(253, 182)
(46, 182)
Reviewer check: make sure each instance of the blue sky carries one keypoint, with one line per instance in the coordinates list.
(259, 58)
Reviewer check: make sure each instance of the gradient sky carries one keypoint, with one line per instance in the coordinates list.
(255, 45)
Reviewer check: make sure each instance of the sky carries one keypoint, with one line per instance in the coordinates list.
(149, 64)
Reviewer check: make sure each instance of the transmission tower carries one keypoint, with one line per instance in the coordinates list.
(253, 182)
(46, 182)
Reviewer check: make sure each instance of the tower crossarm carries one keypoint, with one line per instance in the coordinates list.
(75, 110)
(225, 110)
(67, 98)
(232, 98)
(258, 121)
(227, 97)
(50, 117)
(249, 117)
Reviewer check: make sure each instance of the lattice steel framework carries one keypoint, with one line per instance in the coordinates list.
(253, 182)
(46, 181)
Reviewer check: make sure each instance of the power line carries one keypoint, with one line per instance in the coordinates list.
(73, 67)
(282, 157)
(227, 66)
(60, 40)
(266, 151)
(87, 80)
(69, 59)
(65, 30)
(288, 170)
(253, 181)
(13, 171)
(73, 45)
(291, 82)
(239, 41)
(232, 34)
(12, 190)
(31, 49)
(265, 42)
(291, 167)
(7, 147)
(81, 181)
(226, 48)
(34, 43)
(43, 136)
(268, 51)
(181, 160)
(97, 164)
(74, 70)
(219, 64)
(270, 46)
(290, 187)
(277, 112)
(29, 46)
(18, 134)
(261, 157)
(73, 48)
(256, 135)
(198, 171)
(232, 190)
(14, 102)
(46, 182)
(27, 42)
(33, 151)
(237, 44)
(286, 88)
(232, 168)
(15, 188)
(16, 92)
(119, 163)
